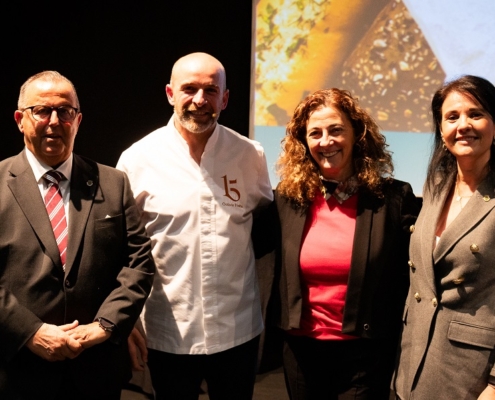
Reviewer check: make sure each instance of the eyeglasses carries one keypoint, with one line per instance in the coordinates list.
(42, 113)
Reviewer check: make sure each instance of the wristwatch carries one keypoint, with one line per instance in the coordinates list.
(106, 325)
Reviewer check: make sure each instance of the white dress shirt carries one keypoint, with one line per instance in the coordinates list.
(205, 296)
(40, 168)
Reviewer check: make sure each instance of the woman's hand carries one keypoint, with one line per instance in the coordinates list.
(137, 350)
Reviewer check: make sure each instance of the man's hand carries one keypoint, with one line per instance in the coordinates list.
(53, 343)
(488, 393)
(137, 350)
(89, 335)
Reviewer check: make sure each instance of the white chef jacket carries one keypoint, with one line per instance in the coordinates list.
(205, 296)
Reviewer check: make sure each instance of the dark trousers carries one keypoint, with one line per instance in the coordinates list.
(229, 374)
(62, 387)
(69, 390)
(357, 369)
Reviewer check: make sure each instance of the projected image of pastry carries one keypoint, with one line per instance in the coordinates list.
(300, 45)
(394, 72)
(373, 48)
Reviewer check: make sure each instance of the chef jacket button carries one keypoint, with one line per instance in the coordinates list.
(459, 280)
(474, 248)
(411, 228)
(417, 297)
(434, 302)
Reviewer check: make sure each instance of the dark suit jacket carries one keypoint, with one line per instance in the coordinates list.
(377, 285)
(109, 272)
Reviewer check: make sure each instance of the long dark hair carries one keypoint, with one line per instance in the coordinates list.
(443, 165)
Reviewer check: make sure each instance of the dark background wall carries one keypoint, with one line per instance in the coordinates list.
(119, 56)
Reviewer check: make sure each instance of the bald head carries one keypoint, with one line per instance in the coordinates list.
(198, 93)
(199, 62)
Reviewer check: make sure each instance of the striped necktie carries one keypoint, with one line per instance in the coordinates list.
(56, 211)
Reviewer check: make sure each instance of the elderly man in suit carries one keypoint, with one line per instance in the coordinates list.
(75, 262)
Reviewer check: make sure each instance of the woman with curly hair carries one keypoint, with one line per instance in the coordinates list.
(341, 275)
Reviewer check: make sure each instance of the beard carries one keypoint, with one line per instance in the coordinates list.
(189, 123)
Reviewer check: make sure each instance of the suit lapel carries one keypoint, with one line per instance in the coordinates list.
(359, 259)
(477, 207)
(84, 187)
(292, 226)
(26, 192)
(432, 208)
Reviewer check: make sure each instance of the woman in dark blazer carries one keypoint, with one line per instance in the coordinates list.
(341, 275)
(448, 339)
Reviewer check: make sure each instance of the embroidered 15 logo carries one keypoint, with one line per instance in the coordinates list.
(231, 192)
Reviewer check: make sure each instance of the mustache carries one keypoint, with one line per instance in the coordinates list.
(192, 109)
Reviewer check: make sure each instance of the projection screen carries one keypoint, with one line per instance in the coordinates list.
(391, 54)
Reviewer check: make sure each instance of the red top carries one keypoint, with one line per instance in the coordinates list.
(325, 262)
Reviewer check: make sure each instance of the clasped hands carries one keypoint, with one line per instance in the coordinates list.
(59, 342)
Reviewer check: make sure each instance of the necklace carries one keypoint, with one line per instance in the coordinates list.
(458, 197)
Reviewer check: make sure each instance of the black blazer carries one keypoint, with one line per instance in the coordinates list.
(378, 278)
(109, 272)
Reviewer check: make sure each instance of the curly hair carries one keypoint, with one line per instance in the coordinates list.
(442, 169)
(299, 173)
